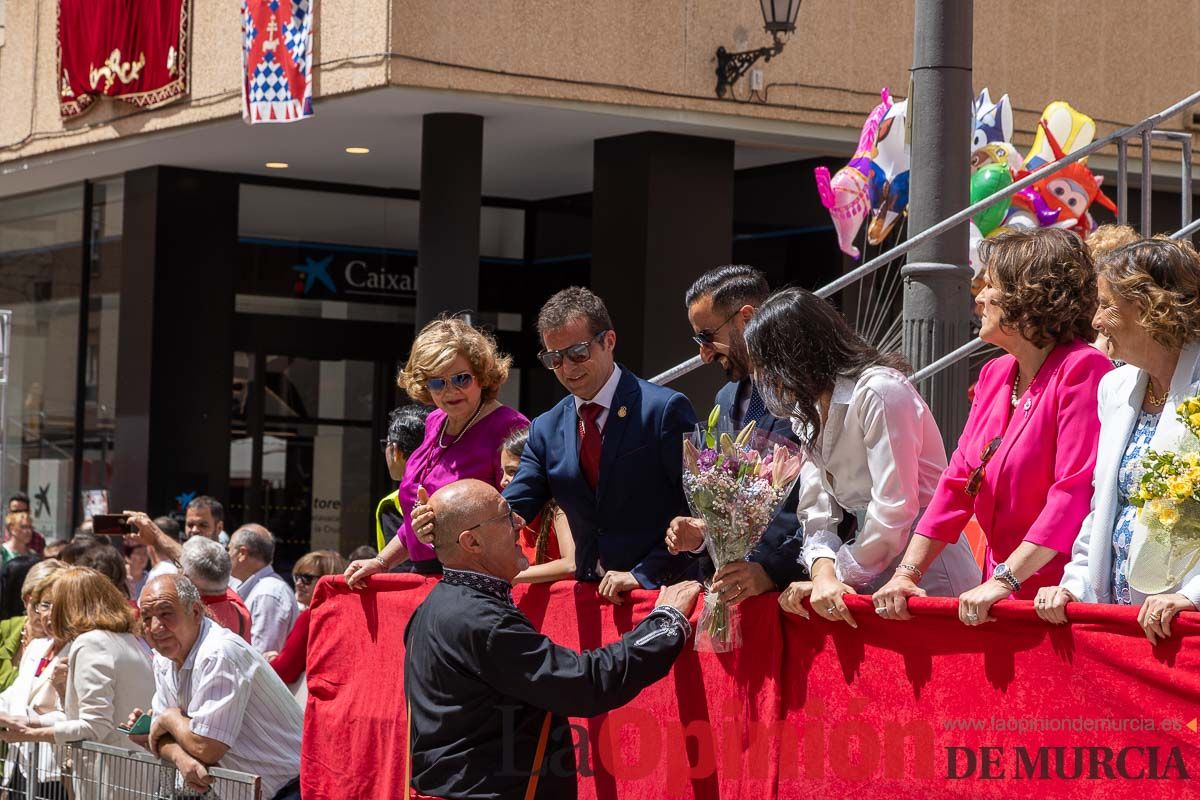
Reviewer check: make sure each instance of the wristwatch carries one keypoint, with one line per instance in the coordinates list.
(1005, 575)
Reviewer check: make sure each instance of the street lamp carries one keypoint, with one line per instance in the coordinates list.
(779, 19)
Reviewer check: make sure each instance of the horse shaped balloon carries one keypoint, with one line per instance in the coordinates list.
(848, 194)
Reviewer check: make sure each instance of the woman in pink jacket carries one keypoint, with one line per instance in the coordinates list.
(1024, 463)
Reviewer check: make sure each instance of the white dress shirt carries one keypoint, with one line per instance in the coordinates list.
(33, 697)
(272, 607)
(604, 397)
(880, 455)
(231, 694)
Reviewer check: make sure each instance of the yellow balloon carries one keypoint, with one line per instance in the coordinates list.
(1071, 129)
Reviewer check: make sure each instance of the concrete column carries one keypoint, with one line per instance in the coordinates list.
(937, 279)
(662, 215)
(451, 191)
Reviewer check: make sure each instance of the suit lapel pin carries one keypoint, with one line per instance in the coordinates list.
(621, 412)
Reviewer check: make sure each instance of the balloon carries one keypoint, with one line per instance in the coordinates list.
(973, 249)
(1063, 197)
(993, 121)
(892, 158)
(998, 153)
(986, 181)
(1017, 219)
(847, 196)
(891, 206)
(1071, 129)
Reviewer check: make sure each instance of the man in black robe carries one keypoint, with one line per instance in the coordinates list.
(487, 692)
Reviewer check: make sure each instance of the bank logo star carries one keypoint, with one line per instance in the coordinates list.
(185, 498)
(314, 271)
(42, 498)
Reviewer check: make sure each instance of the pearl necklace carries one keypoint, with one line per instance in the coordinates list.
(442, 433)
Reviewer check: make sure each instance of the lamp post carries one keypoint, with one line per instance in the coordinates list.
(779, 19)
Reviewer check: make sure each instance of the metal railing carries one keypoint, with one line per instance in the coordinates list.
(94, 771)
(1145, 130)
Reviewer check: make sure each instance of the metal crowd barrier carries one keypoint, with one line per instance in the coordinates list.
(93, 771)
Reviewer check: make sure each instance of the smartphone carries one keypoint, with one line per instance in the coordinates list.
(111, 524)
(140, 728)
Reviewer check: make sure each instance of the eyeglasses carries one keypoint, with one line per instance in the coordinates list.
(460, 381)
(384, 444)
(976, 478)
(43, 607)
(577, 353)
(512, 520)
(305, 578)
(704, 338)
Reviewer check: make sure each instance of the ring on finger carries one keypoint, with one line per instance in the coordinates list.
(881, 611)
(831, 610)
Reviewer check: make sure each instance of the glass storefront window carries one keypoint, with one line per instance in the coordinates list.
(40, 273)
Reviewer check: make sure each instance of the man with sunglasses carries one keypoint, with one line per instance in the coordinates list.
(719, 304)
(610, 454)
(488, 695)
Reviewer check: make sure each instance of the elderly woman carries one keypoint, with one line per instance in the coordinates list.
(873, 449)
(108, 671)
(1150, 314)
(1024, 462)
(32, 696)
(291, 662)
(458, 369)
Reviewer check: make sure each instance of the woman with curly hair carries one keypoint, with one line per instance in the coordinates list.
(459, 369)
(1024, 462)
(1150, 313)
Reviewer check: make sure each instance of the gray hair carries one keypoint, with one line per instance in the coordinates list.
(185, 590)
(257, 540)
(206, 564)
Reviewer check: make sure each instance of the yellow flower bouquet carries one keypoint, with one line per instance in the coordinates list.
(1168, 500)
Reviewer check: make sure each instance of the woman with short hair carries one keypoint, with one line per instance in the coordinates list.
(108, 671)
(459, 369)
(1024, 462)
(1149, 313)
(873, 448)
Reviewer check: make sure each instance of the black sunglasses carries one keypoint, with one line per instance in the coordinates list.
(577, 353)
(460, 381)
(512, 520)
(975, 480)
(305, 578)
(704, 338)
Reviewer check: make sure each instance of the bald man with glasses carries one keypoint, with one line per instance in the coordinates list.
(488, 695)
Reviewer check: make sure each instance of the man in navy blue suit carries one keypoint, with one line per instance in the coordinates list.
(610, 453)
(719, 305)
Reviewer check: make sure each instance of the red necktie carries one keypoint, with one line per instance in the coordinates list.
(589, 443)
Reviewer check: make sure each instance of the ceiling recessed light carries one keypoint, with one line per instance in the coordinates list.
(358, 151)
(276, 165)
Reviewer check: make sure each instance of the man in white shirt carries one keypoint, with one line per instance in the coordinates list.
(215, 698)
(271, 601)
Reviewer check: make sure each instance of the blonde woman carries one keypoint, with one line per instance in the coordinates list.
(458, 369)
(32, 697)
(108, 672)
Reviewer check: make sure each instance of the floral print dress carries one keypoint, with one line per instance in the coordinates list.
(1127, 478)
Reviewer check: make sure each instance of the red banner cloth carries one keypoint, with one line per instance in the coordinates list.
(277, 49)
(920, 709)
(136, 50)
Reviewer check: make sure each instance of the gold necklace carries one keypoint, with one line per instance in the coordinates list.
(1153, 399)
(463, 432)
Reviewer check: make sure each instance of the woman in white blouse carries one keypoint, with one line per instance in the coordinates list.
(108, 672)
(31, 696)
(872, 446)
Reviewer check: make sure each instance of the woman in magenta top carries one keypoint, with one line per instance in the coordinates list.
(458, 369)
(1024, 463)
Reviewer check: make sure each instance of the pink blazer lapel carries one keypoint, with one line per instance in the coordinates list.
(1027, 406)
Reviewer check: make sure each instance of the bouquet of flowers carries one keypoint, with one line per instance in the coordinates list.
(1166, 543)
(736, 484)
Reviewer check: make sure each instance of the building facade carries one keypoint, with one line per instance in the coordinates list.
(187, 320)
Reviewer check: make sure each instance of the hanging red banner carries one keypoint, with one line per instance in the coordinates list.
(277, 37)
(136, 50)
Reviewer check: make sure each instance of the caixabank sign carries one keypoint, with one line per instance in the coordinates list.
(327, 271)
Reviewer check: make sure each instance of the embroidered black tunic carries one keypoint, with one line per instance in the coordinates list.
(479, 680)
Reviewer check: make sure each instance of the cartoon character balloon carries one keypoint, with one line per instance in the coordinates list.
(847, 194)
(892, 157)
(1071, 129)
(993, 121)
(1063, 197)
